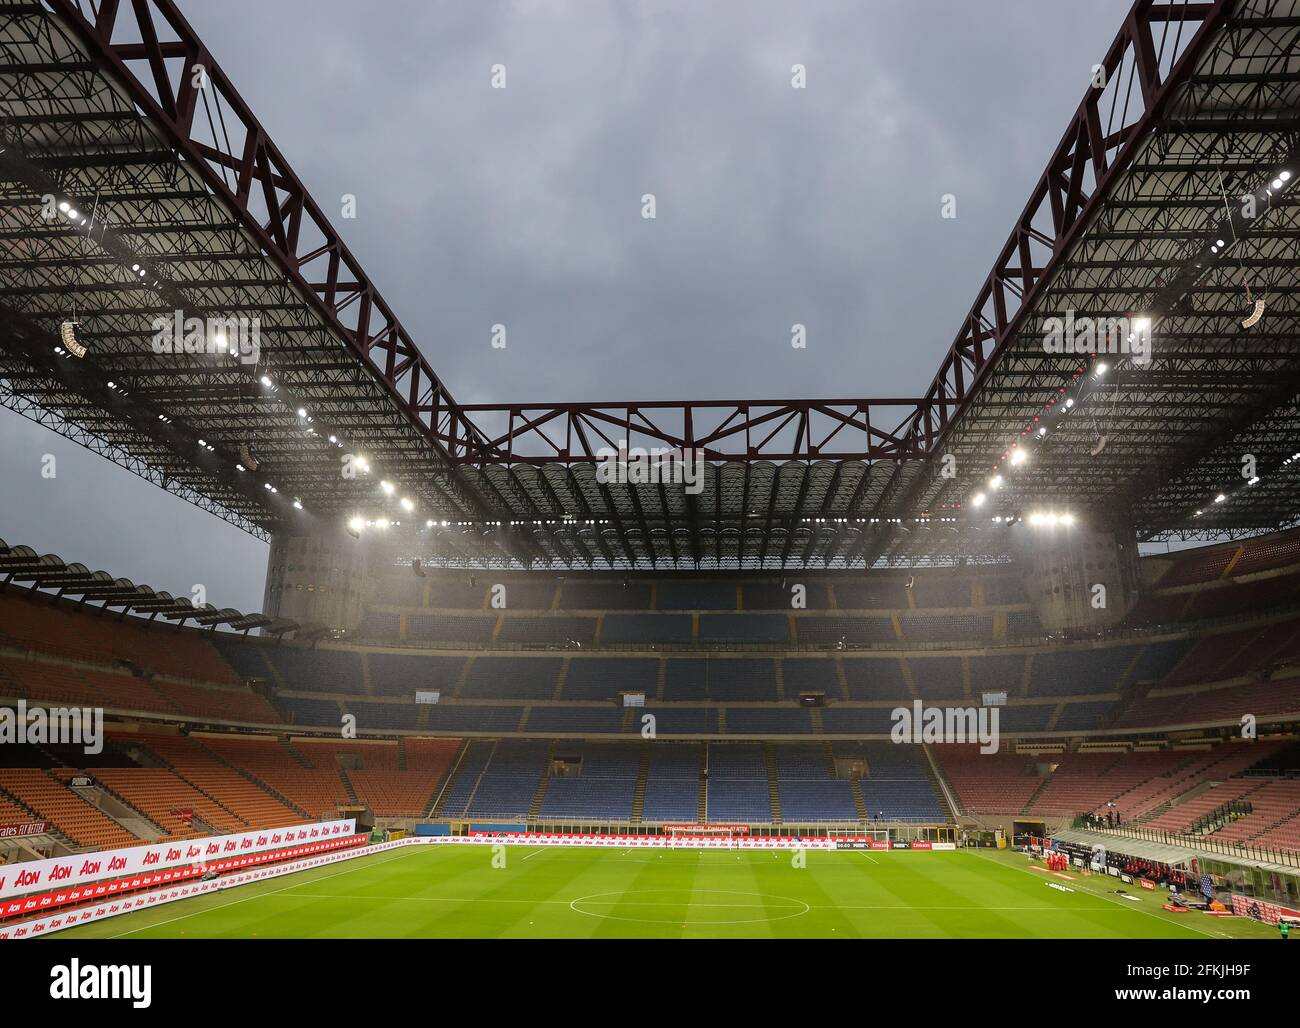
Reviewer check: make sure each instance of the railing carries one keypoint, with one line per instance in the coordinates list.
(1239, 850)
(625, 826)
(1220, 816)
(1119, 634)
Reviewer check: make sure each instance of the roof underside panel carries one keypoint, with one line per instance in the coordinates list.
(189, 207)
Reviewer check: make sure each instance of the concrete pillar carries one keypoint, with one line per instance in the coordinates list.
(1081, 578)
(320, 577)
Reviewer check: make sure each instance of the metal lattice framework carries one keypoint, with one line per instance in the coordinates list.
(118, 111)
(52, 574)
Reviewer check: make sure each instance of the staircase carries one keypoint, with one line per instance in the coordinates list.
(642, 775)
(441, 809)
(561, 678)
(235, 819)
(347, 785)
(1126, 702)
(940, 785)
(114, 805)
(702, 797)
(251, 777)
(535, 808)
(443, 785)
(906, 668)
(1029, 805)
(855, 786)
(298, 756)
(463, 677)
(773, 789)
(272, 671)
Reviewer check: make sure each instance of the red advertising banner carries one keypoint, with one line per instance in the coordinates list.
(77, 869)
(707, 829)
(41, 902)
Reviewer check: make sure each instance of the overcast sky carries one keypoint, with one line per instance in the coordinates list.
(522, 206)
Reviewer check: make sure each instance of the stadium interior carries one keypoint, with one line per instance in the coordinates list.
(466, 623)
(761, 714)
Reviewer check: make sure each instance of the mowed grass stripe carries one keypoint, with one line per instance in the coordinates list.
(456, 892)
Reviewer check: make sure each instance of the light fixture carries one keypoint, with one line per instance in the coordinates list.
(1102, 368)
(995, 482)
(1220, 498)
(1019, 456)
(407, 504)
(356, 524)
(387, 487)
(978, 500)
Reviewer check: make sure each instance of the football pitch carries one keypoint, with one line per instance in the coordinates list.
(457, 892)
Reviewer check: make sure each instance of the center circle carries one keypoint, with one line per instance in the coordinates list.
(719, 907)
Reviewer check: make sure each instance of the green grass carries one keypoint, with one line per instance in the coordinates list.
(455, 892)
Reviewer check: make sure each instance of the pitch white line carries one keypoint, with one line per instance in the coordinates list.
(1108, 899)
(245, 899)
(638, 903)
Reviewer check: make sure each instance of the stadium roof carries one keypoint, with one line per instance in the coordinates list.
(23, 565)
(183, 202)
